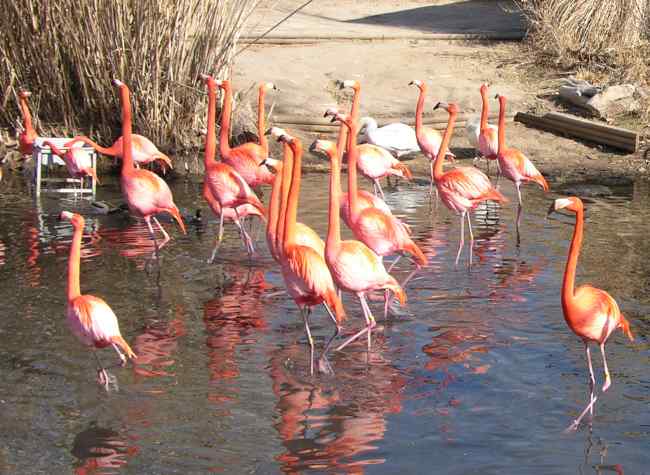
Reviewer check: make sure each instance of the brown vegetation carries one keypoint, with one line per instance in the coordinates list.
(66, 52)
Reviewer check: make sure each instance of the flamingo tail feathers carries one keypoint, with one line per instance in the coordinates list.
(124, 346)
(625, 326)
(334, 302)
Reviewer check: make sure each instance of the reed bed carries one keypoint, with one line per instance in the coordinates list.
(605, 36)
(67, 52)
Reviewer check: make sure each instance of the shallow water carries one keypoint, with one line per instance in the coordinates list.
(478, 374)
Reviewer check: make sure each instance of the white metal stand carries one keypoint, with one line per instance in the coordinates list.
(43, 157)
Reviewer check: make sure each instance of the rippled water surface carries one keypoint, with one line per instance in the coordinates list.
(478, 374)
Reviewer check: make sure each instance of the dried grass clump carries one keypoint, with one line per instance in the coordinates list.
(67, 52)
(601, 35)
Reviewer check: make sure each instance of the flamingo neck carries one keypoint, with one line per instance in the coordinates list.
(274, 209)
(74, 288)
(353, 154)
(111, 151)
(502, 126)
(210, 138)
(224, 133)
(343, 130)
(568, 283)
(287, 169)
(484, 109)
(127, 139)
(261, 123)
(54, 149)
(294, 193)
(333, 242)
(437, 165)
(27, 116)
(419, 126)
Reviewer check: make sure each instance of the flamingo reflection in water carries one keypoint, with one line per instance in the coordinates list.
(335, 423)
(233, 319)
(156, 346)
(101, 450)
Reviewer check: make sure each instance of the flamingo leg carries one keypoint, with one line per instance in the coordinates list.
(246, 237)
(217, 241)
(592, 397)
(608, 379)
(162, 230)
(377, 186)
(152, 234)
(520, 208)
(323, 363)
(399, 256)
(370, 324)
(305, 318)
(120, 354)
(471, 239)
(102, 375)
(462, 236)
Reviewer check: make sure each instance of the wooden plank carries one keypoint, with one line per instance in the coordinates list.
(583, 129)
(591, 125)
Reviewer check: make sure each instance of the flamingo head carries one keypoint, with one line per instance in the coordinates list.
(343, 118)
(323, 146)
(350, 83)
(269, 162)
(572, 203)
(418, 83)
(76, 219)
(24, 94)
(484, 88)
(209, 80)
(222, 83)
(275, 132)
(450, 107)
(501, 98)
(331, 112)
(269, 86)
(117, 82)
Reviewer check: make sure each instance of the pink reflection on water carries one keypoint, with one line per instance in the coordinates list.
(333, 423)
(133, 242)
(2, 253)
(232, 320)
(156, 346)
(101, 451)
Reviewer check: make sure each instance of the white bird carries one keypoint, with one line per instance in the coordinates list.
(398, 138)
(473, 130)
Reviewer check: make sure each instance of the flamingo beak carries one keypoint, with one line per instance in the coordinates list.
(551, 210)
(263, 162)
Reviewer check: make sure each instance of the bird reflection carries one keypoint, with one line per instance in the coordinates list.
(335, 423)
(101, 451)
(133, 242)
(233, 319)
(156, 346)
(514, 278)
(601, 467)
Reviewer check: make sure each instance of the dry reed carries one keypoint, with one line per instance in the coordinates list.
(604, 36)
(66, 52)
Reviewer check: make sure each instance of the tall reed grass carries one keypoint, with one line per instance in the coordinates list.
(67, 51)
(602, 35)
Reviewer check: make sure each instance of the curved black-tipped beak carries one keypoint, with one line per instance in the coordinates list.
(268, 131)
(334, 119)
(412, 83)
(551, 210)
(437, 106)
(496, 96)
(263, 163)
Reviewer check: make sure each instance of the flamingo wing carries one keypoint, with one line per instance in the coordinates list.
(92, 320)
(306, 236)
(488, 141)
(593, 313)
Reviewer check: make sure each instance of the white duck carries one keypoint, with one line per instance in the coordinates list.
(398, 138)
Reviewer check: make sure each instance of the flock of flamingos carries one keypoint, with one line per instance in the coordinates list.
(317, 271)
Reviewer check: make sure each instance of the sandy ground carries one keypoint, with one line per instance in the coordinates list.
(454, 70)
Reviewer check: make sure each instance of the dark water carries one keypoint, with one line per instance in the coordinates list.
(479, 375)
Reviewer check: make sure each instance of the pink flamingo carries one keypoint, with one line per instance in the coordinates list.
(303, 234)
(77, 161)
(381, 232)
(375, 163)
(223, 188)
(354, 266)
(145, 192)
(90, 318)
(28, 135)
(487, 138)
(245, 158)
(143, 150)
(429, 140)
(590, 313)
(305, 272)
(514, 165)
(463, 188)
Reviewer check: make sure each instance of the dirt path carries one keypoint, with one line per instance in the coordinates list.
(453, 70)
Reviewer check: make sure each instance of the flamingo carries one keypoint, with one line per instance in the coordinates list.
(381, 232)
(303, 234)
(261, 123)
(224, 189)
(145, 192)
(591, 313)
(305, 272)
(398, 138)
(487, 139)
(514, 165)
(28, 135)
(90, 318)
(354, 266)
(77, 161)
(143, 150)
(462, 188)
(245, 158)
